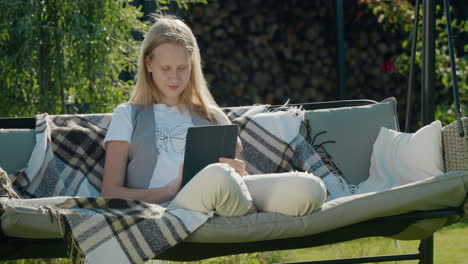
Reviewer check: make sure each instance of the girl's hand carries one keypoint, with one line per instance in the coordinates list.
(174, 188)
(237, 164)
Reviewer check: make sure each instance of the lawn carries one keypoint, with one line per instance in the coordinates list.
(451, 247)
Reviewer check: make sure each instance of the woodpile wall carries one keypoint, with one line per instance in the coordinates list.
(270, 51)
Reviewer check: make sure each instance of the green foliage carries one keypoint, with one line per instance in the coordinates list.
(399, 15)
(65, 56)
(251, 258)
(164, 4)
(393, 14)
(37, 261)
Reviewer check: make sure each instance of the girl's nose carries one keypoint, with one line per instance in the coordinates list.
(174, 75)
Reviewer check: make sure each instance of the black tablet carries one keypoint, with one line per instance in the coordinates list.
(205, 145)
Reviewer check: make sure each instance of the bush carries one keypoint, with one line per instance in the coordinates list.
(398, 15)
(65, 56)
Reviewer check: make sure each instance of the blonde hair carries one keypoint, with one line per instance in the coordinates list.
(170, 29)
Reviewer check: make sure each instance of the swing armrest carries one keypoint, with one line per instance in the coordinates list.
(455, 148)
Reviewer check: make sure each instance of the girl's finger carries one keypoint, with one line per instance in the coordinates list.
(232, 161)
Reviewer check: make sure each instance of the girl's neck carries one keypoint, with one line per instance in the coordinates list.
(171, 108)
(169, 103)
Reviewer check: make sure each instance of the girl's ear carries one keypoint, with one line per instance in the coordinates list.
(148, 63)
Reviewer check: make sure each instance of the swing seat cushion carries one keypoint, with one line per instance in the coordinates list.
(444, 191)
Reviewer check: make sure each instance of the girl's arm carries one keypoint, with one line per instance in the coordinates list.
(115, 167)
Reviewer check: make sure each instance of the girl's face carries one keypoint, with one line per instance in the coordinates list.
(170, 69)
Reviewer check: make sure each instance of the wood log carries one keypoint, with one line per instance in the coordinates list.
(256, 52)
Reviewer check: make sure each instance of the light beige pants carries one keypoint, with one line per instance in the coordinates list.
(219, 189)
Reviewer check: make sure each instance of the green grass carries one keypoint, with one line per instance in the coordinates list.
(37, 261)
(450, 247)
(450, 243)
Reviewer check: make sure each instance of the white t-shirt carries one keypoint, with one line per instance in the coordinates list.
(171, 131)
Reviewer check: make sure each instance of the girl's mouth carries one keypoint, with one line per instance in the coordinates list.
(173, 87)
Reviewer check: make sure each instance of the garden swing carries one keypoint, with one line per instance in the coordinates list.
(412, 211)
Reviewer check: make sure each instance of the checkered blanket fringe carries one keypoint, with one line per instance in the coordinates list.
(320, 147)
(68, 161)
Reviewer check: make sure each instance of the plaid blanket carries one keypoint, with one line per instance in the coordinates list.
(118, 230)
(272, 143)
(68, 160)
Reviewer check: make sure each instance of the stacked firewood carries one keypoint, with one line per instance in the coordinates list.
(271, 51)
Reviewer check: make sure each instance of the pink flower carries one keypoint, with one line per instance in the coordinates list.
(296, 28)
(387, 66)
(358, 16)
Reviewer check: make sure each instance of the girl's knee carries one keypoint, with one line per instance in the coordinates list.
(220, 178)
(309, 193)
(219, 174)
(224, 190)
(314, 186)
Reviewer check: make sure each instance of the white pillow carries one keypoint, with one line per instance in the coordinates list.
(400, 158)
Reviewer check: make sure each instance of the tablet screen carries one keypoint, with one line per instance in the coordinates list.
(205, 145)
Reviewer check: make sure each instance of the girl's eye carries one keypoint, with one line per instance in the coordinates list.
(182, 67)
(165, 68)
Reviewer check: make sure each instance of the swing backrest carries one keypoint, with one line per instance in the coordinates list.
(16, 147)
(351, 133)
(345, 133)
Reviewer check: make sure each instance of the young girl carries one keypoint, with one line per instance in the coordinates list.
(146, 139)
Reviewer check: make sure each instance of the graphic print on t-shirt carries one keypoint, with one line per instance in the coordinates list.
(172, 139)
